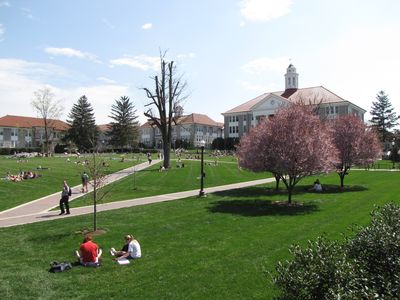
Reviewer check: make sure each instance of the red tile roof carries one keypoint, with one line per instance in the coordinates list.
(311, 95)
(29, 122)
(104, 127)
(190, 119)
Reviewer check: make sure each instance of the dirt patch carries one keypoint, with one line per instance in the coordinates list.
(85, 231)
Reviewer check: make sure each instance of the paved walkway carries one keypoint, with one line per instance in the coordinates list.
(39, 210)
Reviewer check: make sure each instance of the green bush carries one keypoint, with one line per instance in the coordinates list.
(366, 266)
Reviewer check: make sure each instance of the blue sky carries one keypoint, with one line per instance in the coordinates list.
(229, 51)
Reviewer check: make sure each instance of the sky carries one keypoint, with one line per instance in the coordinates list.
(228, 51)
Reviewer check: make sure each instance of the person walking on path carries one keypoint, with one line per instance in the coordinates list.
(85, 181)
(65, 193)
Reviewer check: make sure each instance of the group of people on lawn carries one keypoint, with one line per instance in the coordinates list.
(22, 175)
(89, 252)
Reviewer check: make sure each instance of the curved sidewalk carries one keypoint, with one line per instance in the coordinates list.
(38, 210)
(24, 214)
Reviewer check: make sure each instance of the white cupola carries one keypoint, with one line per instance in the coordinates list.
(291, 78)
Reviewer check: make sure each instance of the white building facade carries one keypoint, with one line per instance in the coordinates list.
(239, 120)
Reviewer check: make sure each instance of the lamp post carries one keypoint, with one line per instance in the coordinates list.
(201, 193)
(393, 152)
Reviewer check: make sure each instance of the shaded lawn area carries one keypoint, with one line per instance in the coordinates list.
(150, 182)
(57, 169)
(218, 247)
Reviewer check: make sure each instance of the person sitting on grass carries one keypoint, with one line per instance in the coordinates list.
(317, 186)
(89, 253)
(130, 250)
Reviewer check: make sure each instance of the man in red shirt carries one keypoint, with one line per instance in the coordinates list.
(89, 253)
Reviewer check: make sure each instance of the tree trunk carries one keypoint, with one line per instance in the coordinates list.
(277, 180)
(289, 195)
(342, 180)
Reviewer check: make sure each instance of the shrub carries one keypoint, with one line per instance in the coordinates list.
(366, 266)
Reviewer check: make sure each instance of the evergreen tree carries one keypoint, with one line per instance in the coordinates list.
(83, 131)
(383, 116)
(124, 130)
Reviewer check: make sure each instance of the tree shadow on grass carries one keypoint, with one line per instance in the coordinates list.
(262, 191)
(257, 208)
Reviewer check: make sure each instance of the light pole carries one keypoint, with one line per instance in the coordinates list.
(201, 193)
(393, 154)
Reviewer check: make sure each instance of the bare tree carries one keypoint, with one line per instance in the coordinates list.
(49, 109)
(168, 93)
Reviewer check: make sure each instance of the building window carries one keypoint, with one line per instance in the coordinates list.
(332, 110)
(237, 129)
(327, 110)
(244, 118)
(336, 109)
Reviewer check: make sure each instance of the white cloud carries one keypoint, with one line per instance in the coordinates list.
(28, 13)
(186, 56)
(5, 3)
(147, 26)
(69, 52)
(260, 88)
(264, 10)
(108, 23)
(253, 87)
(356, 66)
(142, 62)
(106, 80)
(266, 64)
(19, 79)
(2, 31)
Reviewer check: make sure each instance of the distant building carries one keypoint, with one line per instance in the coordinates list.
(240, 119)
(27, 132)
(103, 139)
(188, 130)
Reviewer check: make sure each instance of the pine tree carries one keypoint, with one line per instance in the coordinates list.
(124, 130)
(83, 131)
(383, 116)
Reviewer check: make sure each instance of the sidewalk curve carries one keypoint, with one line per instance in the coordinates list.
(40, 209)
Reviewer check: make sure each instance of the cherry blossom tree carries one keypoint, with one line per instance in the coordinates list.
(293, 144)
(356, 144)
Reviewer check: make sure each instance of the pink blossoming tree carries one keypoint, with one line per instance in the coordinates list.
(293, 144)
(356, 144)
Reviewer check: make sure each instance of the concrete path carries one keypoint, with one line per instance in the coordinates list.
(39, 210)
(42, 206)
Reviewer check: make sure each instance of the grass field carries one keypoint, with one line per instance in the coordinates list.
(150, 182)
(218, 247)
(57, 169)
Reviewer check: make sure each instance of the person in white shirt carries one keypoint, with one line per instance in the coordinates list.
(317, 186)
(131, 249)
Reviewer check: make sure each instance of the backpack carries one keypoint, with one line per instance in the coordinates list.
(69, 192)
(56, 267)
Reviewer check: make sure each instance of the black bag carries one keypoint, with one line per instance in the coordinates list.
(56, 267)
(69, 192)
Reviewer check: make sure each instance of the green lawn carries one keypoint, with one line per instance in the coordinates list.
(218, 247)
(59, 169)
(150, 182)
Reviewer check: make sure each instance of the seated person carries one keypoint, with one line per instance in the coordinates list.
(89, 253)
(317, 186)
(130, 250)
